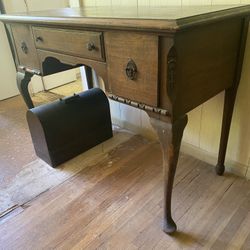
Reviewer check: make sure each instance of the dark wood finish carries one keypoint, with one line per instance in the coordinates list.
(22, 35)
(230, 96)
(114, 199)
(170, 136)
(23, 80)
(205, 66)
(165, 60)
(165, 45)
(163, 19)
(2, 8)
(89, 77)
(121, 48)
(99, 67)
(229, 100)
(73, 42)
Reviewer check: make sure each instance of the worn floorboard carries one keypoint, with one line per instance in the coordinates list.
(115, 202)
(16, 149)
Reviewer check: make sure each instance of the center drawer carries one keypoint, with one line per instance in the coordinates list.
(85, 44)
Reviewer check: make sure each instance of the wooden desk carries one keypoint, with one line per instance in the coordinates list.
(165, 61)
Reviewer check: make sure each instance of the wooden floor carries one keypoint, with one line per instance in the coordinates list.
(16, 149)
(117, 204)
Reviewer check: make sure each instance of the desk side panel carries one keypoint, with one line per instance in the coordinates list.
(206, 60)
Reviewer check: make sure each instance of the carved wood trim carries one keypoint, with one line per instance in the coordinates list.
(141, 106)
(171, 73)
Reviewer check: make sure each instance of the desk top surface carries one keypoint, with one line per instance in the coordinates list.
(164, 17)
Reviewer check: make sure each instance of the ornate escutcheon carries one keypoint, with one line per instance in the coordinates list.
(24, 47)
(131, 70)
(39, 39)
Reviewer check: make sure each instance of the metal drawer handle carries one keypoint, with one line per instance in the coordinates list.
(91, 46)
(39, 39)
(24, 48)
(131, 70)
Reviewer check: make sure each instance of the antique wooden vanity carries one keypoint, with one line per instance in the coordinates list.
(165, 60)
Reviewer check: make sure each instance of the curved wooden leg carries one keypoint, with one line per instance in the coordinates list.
(170, 136)
(23, 80)
(230, 95)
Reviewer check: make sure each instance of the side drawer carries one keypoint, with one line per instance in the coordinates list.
(85, 44)
(25, 47)
(129, 53)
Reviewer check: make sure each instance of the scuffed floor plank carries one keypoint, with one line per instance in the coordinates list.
(106, 204)
(111, 197)
(36, 177)
(23, 176)
(16, 148)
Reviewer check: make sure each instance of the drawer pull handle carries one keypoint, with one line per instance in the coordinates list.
(24, 48)
(39, 39)
(91, 46)
(131, 70)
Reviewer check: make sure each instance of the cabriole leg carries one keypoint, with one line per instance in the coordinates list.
(23, 80)
(170, 136)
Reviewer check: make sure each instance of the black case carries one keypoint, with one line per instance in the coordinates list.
(67, 127)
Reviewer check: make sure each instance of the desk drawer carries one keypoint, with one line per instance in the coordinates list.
(128, 54)
(25, 47)
(85, 44)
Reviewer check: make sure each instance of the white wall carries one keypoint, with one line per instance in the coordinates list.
(74, 3)
(33, 5)
(14, 6)
(158, 2)
(8, 86)
(201, 137)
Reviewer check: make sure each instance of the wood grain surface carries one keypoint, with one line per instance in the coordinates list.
(117, 204)
(23, 34)
(121, 47)
(72, 42)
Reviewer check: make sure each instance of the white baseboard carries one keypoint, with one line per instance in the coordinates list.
(234, 167)
(203, 155)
